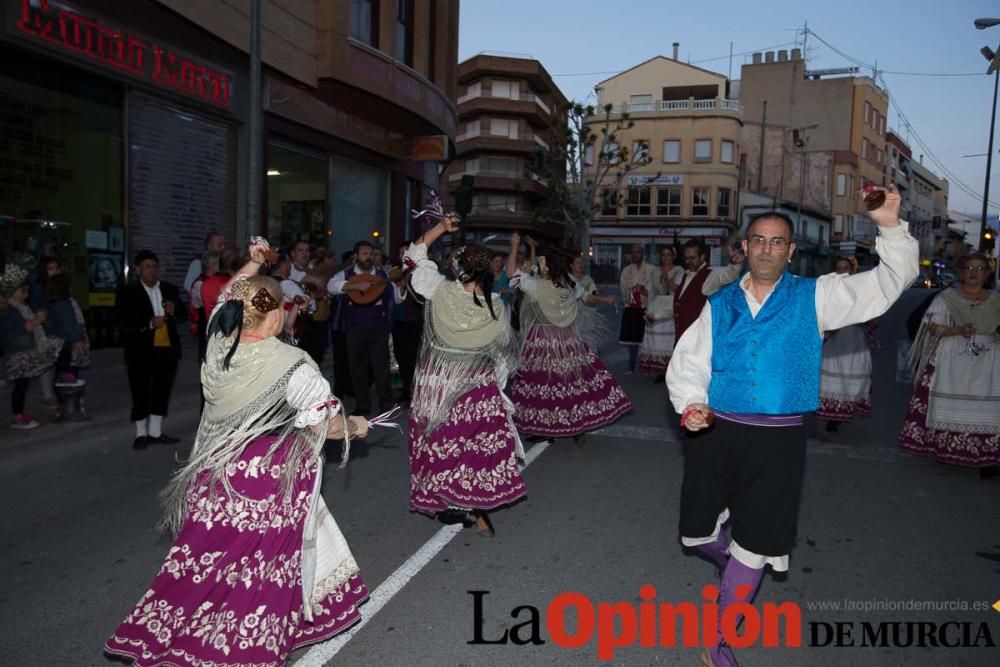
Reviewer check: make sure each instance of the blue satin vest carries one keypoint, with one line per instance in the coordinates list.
(769, 364)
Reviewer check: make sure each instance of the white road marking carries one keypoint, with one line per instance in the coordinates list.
(320, 654)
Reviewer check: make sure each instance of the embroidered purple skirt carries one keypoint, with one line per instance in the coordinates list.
(562, 389)
(467, 462)
(230, 590)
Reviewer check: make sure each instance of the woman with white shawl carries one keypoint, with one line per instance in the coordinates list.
(561, 389)
(258, 567)
(954, 414)
(660, 336)
(463, 446)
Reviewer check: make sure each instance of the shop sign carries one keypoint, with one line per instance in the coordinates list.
(661, 179)
(432, 148)
(85, 36)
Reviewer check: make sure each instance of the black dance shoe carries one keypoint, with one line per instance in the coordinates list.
(452, 516)
(140, 443)
(163, 439)
(488, 531)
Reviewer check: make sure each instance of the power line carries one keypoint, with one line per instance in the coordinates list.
(906, 122)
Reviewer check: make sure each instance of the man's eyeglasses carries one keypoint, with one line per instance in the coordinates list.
(976, 269)
(776, 242)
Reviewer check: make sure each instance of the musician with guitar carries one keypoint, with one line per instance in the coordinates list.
(367, 318)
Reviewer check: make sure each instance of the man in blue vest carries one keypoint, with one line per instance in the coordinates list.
(742, 377)
(367, 328)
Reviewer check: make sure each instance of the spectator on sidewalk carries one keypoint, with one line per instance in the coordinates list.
(367, 327)
(48, 266)
(148, 312)
(230, 262)
(65, 321)
(214, 242)
(407, 329)
(299, 254)
(28, 351)
(199, 321)
(342, 384)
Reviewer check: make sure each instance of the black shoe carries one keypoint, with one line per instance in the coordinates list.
(140, 443)
(832, 427)
(452, 516)
(163, 439)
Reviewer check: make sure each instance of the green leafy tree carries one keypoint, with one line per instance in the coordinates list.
(584, 163)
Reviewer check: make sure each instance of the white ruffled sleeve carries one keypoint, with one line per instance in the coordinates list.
(309, 393)
(425, 277)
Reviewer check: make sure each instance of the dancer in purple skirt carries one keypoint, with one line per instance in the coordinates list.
(463, 446)
(561, 388)
(259, 567)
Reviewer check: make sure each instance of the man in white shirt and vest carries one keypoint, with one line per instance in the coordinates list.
(743, 376)
(699, 282)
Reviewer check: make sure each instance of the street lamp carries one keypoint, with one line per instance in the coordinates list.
(800, 142)
(994, 69)
(983, 24)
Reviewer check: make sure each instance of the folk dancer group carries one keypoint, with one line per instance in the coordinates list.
(258, 566)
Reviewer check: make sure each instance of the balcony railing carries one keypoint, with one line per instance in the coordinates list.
(523, 97)
(527, 136)
(681, 106)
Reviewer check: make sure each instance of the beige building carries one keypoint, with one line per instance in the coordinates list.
(687, 187)
(840, 123)
(507, 106)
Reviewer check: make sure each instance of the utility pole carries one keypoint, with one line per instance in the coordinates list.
(254, 176)
(760, 161)
(989, 158)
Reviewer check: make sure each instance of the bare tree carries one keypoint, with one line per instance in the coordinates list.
(585, 163)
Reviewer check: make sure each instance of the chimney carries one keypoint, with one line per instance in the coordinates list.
(769, 57)
(796, 54)
(782, 56)
(757, 58)
(677, 46)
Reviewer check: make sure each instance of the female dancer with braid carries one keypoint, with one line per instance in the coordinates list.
(561, 388)
(463, 446)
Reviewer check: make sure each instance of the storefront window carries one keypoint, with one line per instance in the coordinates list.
(61, 176)
(359, 204)
(296, 196)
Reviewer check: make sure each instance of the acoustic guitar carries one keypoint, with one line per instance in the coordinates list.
(370, 295)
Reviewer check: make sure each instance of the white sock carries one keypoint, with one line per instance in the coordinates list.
(155, 426)
(140, 428)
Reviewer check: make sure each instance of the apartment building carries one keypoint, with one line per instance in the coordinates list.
(687, 186)
(830, 123)
(507, 106)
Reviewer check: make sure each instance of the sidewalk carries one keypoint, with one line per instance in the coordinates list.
(107, 401)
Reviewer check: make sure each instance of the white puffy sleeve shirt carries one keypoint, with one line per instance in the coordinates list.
(841, 300)
(425, 277)
(309, 393)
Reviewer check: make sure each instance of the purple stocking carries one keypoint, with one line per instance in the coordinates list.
(739, 584)
(716, 550)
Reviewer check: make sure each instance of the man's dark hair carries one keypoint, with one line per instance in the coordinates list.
(296, 244)
(143, 255)
(777, 215)
(346, 256)
(363, 244)
(211, 235)
(697, 243)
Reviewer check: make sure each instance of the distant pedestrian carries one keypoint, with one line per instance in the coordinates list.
(845, 382)
(699, 282)
(214, 242)
(28, 351)
(48, 266)
(407, 329)
(954, 414)
(65, 321)
(230, 260)
(343, 386)
(199, 318)
(148, 310)
(367, 318)
(299, 254)
(637, 283)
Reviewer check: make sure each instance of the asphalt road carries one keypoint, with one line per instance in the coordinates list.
(79, 544)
